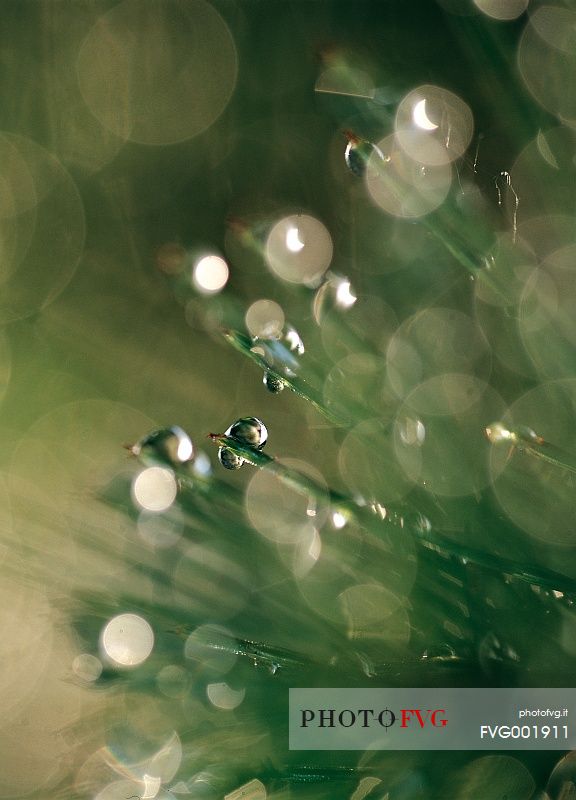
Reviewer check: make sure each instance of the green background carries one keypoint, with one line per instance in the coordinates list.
(99, 346)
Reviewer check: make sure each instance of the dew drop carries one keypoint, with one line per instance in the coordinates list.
(273, 383)
(249, 431)
(229, 459)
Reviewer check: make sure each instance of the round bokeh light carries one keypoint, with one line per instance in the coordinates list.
(299, 249)
(433, 126)
(404, 187)
(127, 640)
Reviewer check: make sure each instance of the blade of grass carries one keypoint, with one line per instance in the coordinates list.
(243, 344)
(378, 519)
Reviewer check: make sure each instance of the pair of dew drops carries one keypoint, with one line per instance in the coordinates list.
(249, 431)
(172, 447)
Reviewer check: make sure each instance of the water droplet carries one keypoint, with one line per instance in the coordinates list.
(229, 459)
(166, 447)
(357, 153)
(335, 293)
(497, 433)
(294, 341)
(273, 383)
(281, 353)
(249, 431)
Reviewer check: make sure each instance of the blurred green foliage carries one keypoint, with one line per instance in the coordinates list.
(352, 569)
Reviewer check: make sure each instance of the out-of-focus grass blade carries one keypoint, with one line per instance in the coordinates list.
(243, 344)
(383, 520)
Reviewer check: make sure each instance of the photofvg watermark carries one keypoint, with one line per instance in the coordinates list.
(366, 717)
(432, 719)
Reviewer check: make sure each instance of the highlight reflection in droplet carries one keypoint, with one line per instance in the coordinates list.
(420, 117)
(293, 241)
(344, 296)
(336, 293)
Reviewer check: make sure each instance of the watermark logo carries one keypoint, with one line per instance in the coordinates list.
(432, 719)
(367, 717)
